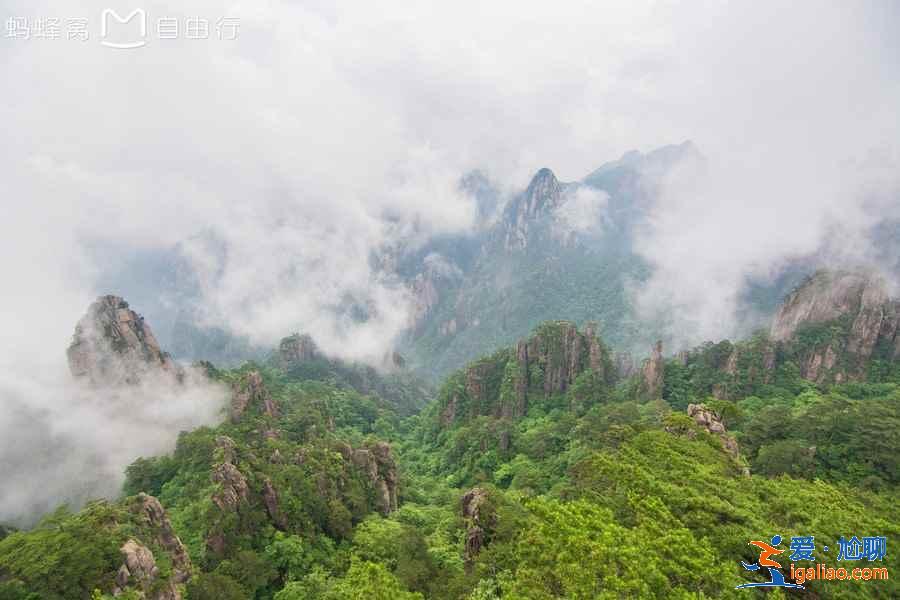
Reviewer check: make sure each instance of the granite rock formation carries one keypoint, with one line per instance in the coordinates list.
(250, 393)
(113, 345)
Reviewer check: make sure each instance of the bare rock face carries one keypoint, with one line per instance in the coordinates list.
(478, 521)
(478, 377)
(113, 345)
(377, 461)
(152, 513)
(652, 373)
(270, 499)
(544, 193)
(624, 362)
(861, 302)
(250, 392)
(233, 490)
(425, 297)
(562, 356)
(296, 349)
(563, 353)
(501, 387)
(139, 571)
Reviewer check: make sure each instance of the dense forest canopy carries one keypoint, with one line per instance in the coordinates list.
(541, 471)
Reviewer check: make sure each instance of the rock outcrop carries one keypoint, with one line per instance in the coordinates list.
(140, 573)
(545, 364)
(233, 489)
(151, 514)
(479, 520)
(377, 462)
(296, 349)
(113, 345)
(712, 423)
(543, 194)
(652, 373)
(251, 393)
(270, 499)
(425, 297)
(863, 320)
(624, 363)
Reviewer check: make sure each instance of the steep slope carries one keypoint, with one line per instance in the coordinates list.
(300, 358)
(838, 324)
(558, 250)
(834, 327)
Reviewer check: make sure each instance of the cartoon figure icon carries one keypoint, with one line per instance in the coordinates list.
(767, 550)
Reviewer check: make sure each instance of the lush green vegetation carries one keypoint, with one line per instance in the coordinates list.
(592, 493)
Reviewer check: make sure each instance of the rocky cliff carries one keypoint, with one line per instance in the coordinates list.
(113, 345)
(543, 194)
(836, 323)
(152, 540)
(296, 349)
(299, 357)
(546, 364)
(652, 374)
(376, 462)
(250, 393)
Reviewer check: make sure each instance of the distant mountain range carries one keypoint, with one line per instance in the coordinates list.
(554, 251)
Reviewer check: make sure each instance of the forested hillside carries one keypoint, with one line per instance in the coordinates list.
(548, 469)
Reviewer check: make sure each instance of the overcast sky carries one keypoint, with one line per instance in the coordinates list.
(294, 140)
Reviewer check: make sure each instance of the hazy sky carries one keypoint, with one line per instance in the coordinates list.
(294, 141)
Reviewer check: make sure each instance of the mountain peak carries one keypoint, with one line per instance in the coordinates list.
(112, 344)
(542, 195)
(839, 321)
(544, 177)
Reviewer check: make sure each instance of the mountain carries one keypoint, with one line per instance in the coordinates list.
(554, 250)
(558, 250)
(834, 327)
(300, 358)
(529, 459)
(113, 344)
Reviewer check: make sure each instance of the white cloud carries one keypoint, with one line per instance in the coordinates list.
(582, 211)
(294, 142)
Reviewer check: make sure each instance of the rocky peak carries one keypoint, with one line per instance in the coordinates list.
(479, 519)
(296, 349)
(547, 363)
(652, 372)
(152, 514)
(250, 391)
(542, 195)
(858, 305)
(377, 462)
(113, 345)
(139, 571)
(824, 297)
